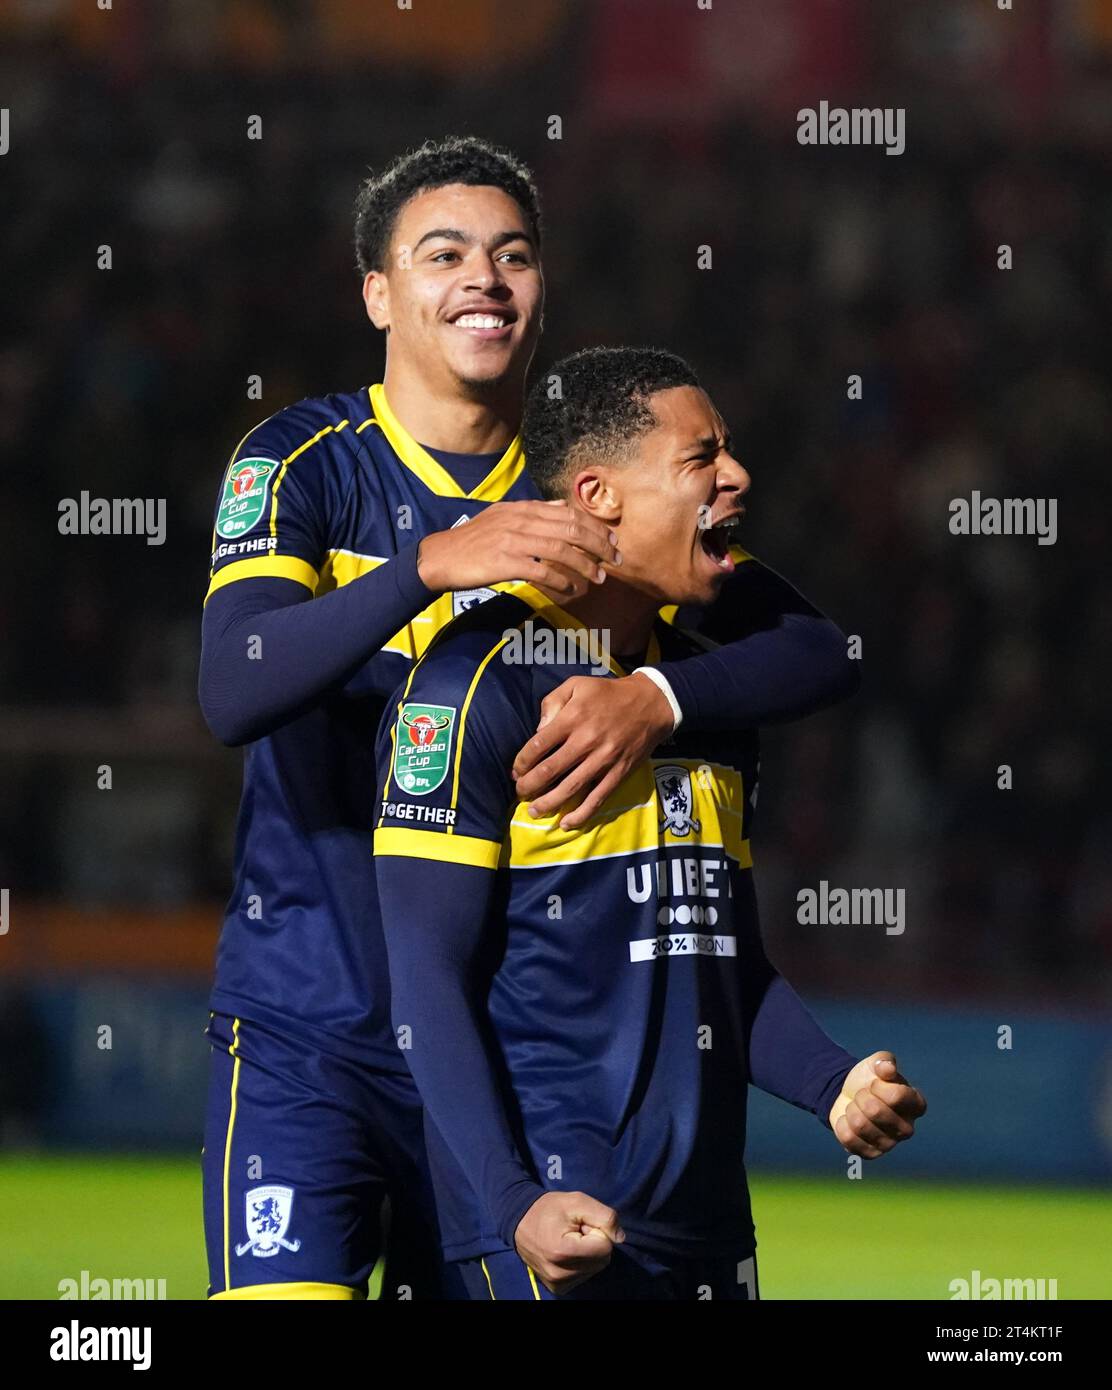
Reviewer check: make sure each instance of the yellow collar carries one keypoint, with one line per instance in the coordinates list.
(552, 613)
(434, 476)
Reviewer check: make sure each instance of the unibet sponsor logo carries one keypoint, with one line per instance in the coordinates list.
(245, 490)
(422, 743)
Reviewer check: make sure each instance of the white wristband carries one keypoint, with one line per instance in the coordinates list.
(665, 689)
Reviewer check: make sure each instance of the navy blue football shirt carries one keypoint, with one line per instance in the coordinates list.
(582, 1009)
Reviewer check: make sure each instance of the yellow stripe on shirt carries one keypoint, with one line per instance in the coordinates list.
(433, 844)
(328, 429)
(631, 821)
(267, 566)
(342, 566)
(463, 714)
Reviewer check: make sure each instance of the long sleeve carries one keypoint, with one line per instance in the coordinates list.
(790, 1056)
(304, 646)
(438, 977)
(779, 658)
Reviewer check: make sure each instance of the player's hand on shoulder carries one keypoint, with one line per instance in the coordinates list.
(546, 543)
(592, 733)
(566, 1237)
(877, 1107)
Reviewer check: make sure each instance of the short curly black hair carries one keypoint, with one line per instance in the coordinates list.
(455, 159)
(594, 404)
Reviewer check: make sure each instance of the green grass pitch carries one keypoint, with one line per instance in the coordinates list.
(140, 1217)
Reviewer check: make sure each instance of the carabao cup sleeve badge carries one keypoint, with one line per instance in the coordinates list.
(422, 747)
(245, 492)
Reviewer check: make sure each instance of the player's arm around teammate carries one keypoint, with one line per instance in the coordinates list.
(314, 649)
(775, 658)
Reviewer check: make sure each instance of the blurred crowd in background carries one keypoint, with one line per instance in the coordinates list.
(232, 258)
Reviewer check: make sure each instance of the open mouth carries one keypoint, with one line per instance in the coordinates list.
(716, 541)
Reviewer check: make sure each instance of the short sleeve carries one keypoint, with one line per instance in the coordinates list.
(445, 749)
(272, 509)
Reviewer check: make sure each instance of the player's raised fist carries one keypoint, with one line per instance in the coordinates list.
(566, 1237)
(877, 1107)
(560, 550)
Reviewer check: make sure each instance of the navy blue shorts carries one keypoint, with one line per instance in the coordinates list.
(315, 1179)
(631, 1276)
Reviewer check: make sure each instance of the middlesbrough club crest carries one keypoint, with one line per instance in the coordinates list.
(673, 792)
(463, 599)
(268, 1219)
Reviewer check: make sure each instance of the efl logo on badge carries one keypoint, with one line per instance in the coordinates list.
(268, 1217)
(673, 791)
(245, 490)
(422, 746)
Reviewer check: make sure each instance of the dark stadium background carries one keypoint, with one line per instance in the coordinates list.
(232, 258)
